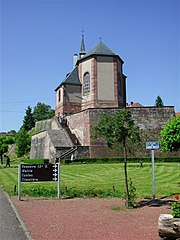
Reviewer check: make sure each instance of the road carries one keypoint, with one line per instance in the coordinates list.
(10, 227)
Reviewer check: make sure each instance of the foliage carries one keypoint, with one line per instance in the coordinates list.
(12, 132)
(42, 112)
(159, 102)
(132, 194)
(23, 142)
(119, 130)
(4, 144)
(23, 137)
(175, 207)
(170, 136)
(28, 121)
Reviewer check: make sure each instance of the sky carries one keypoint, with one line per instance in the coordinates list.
(38, 39)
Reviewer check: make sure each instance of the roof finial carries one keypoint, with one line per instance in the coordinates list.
(82, 49)
(100, 39)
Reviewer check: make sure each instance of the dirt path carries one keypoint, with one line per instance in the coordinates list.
(89, 219)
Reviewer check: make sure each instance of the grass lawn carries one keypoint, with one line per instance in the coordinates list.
(99, 180)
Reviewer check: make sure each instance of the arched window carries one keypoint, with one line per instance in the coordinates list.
(86, 85)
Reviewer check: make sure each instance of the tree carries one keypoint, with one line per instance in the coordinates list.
(170, 136)
(159, 102)
(12, 132)
(28, 121)
(4, 144)
(119, 128)
(42, 112)
(23, 142)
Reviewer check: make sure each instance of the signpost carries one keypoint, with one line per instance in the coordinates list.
(38, 173)
(152, 146)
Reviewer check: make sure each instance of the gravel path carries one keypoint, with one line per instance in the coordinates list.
(89, 219)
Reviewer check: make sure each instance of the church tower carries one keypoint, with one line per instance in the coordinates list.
(96, 81)
(102, 78)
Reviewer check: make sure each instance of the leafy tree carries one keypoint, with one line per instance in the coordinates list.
(42, 112)
(4, 144)
(170, 136)
(28, 121)
(23, 142)
(159, 102)
(119, 129)
(12, 132)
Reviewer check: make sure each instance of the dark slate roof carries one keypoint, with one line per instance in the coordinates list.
(72, 78)
(100, 49)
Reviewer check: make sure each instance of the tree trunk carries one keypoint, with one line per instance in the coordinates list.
(168, 227)
(126, 176)
(1, 157)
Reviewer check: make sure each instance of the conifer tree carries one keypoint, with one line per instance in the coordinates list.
(28, 122)
(159, 102)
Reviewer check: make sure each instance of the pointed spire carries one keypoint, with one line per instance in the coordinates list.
(82, 49)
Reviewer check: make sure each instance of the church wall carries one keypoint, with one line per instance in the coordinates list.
(105, 78)
(70, 100)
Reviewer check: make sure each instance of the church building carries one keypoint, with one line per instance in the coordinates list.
(95, 86)
(96, 81)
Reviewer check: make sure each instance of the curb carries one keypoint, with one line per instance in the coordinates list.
(23, 225)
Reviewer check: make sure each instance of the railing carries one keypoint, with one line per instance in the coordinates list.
(65, 154)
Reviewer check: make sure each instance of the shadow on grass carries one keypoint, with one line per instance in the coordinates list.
(154, 202)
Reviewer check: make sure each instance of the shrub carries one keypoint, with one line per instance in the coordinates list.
(175, 207)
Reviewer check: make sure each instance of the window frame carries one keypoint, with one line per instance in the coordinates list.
(86, 83)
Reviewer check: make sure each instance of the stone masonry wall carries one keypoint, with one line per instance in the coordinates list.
(149, 119)
(40, 146)
(51, 135)
(79, 125)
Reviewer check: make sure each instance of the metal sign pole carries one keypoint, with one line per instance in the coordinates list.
(59, 187)
(153, 181)
(19, 182)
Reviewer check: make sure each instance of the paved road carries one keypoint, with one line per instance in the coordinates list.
(10, 227)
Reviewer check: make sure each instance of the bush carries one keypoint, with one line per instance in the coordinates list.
(175, 207)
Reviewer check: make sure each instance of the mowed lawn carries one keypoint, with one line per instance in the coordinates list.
(99, 180)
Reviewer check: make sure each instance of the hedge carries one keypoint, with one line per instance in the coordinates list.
(119, 160)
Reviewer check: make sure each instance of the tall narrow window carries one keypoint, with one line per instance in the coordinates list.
(86, 85)
(59, 95)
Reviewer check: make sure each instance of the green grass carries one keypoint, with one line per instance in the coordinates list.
(101, 180)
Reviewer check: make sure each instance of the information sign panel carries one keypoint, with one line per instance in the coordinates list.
(38, 172)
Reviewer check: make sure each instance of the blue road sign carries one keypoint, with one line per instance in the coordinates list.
(152, 145)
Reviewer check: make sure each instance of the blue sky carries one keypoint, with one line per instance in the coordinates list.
(39, 38)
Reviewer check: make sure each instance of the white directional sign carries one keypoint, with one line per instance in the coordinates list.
(152, 145)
